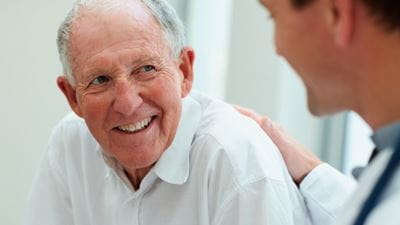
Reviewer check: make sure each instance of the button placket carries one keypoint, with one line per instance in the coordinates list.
(129, 211)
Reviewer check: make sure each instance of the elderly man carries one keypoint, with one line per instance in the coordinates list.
(147, 152)
(347, 53)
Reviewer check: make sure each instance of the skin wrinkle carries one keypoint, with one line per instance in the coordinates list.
(135, 16)
(129, 93)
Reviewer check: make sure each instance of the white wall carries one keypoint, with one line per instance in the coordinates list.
(208, 32)
(259, 79)
(253, 74)
(359, 145)
(30, 102)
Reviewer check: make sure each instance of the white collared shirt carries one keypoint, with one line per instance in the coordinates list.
(221, 169)
(334, 199)
(387, 212)
(326, 192)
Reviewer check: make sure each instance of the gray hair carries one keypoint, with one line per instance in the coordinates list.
(163, 12)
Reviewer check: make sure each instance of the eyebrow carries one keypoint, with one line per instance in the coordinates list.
(136, 61)
(144, 59)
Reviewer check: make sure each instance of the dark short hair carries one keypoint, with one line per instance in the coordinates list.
(387, 12)
(300, 3)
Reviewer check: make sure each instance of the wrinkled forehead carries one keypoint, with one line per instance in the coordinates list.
(95, 30)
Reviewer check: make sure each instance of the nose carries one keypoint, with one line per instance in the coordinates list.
(127, 98)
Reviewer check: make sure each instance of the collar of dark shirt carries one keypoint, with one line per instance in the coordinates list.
(387, 136)
(384, 138)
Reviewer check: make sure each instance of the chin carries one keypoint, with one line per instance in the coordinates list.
(321, 108)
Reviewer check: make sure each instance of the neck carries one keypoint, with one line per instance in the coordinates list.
(136, 176)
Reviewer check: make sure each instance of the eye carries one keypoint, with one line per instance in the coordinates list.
(145, 72)
(99, 80)
(147, 68)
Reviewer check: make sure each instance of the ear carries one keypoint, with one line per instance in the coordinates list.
(343, 21)
(186, 61)
(70, 94)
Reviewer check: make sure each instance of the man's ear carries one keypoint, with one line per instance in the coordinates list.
(343, 20)
(70, 94)
(186, 61)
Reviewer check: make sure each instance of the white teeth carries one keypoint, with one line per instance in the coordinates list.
(136, 126)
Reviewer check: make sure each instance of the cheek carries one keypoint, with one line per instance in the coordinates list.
(170, 99)
(94, 109)
(277, 41)
(289, 32)
(167, 96)
(281, 43)
(282, 36)
(166, 89)
(92, 103)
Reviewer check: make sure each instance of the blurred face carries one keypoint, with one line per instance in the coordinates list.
(128, 85)
(303, 37)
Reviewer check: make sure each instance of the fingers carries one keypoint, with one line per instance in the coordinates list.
(271, 128)
(249, 113)
(298, 159)
(266, 124)
(274, 130)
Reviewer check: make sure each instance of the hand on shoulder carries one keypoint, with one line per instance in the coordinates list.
(299, 161)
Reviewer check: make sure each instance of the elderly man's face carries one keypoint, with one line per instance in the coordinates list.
(128, 84)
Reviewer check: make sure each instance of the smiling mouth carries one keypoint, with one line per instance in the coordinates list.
(136, 127)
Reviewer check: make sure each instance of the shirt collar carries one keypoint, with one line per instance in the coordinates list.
(387, 136)
(173, 166)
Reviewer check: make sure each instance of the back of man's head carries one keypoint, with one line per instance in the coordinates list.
(386, 12)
